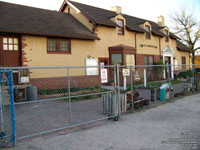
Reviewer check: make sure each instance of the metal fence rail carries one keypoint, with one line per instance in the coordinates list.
(51, 99)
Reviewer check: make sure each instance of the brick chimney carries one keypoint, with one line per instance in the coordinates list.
(117, 9)
(161, 21)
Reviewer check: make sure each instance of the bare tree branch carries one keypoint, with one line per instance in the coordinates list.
(187, 28)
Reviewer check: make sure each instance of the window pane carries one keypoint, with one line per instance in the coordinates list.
(120, 23)
(10, 47)
(64, 46)
(10, 40)
(147, 35)
(52, 45)
(130, 59)
(151, 60)
(5, 40)
(5, 47)
(15, 41)
(116, 59)
(145, 60)
(121, 26)
(147, 28)
(15, 47)
(166, 36)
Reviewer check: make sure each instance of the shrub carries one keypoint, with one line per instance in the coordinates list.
(185, 74)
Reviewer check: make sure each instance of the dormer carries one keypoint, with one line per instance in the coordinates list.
(147, 27)
(165, 31)
(119, 20)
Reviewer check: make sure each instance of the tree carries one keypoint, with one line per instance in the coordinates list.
(187, 28)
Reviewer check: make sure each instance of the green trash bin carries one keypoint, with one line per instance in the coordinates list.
(163, 95)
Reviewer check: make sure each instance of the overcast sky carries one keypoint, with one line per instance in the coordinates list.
(146, 9)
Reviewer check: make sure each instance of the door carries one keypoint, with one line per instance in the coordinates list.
(168, 69)
(183, 60)
(9, 51)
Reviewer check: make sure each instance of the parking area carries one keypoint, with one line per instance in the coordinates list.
(153, 129)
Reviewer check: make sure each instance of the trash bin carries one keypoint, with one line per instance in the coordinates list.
(163, 95)
(32, 93)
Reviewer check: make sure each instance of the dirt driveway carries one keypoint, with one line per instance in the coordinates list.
(160, 128)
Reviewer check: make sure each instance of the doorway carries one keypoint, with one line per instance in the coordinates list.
(168, 69)
(10, 55)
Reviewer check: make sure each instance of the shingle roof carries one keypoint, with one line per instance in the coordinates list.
(182, 47)
(28, 20)
(102, 17)
(97, 15)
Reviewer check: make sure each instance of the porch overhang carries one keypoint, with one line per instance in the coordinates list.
(122, 49)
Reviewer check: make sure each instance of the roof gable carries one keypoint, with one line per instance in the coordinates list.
(97, 15)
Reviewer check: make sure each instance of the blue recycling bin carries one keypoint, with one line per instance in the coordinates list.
(162, 95)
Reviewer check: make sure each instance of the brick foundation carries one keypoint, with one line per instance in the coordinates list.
(61, 82)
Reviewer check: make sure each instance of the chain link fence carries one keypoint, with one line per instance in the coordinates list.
(52, 99)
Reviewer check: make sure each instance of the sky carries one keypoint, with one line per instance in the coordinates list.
(146, 9)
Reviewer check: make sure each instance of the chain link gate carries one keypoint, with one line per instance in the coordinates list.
(7, 125)
(54, 112)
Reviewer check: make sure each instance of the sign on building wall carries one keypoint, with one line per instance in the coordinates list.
(104, 75)
(93, 70)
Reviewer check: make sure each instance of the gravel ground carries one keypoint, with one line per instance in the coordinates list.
(145, 130)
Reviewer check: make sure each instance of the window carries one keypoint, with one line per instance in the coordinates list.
(148, 34)
(148, 60)
(183, 59)
(116, 59)
(58, 46)
(10, 44)
(129, 59)
(120, 22)
(166, 36)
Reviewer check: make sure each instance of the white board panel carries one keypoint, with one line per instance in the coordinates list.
(93, 70)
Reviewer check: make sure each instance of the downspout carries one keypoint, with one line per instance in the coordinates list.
(135, 48)
(160, 48)
(135, 41)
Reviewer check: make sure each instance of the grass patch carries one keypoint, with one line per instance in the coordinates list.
(174, 82)
(65, 90)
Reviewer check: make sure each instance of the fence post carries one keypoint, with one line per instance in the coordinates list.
(69, 92)
(12, 107)
(145, 78)
(118, 90)
(1, 112)
(115, 78)
(193, 75)
(169, 81)
(131, 71)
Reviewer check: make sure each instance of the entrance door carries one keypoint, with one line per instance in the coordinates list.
(168, 69)
(9, 51)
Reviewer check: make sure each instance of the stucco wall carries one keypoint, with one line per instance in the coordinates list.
(35, 49)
